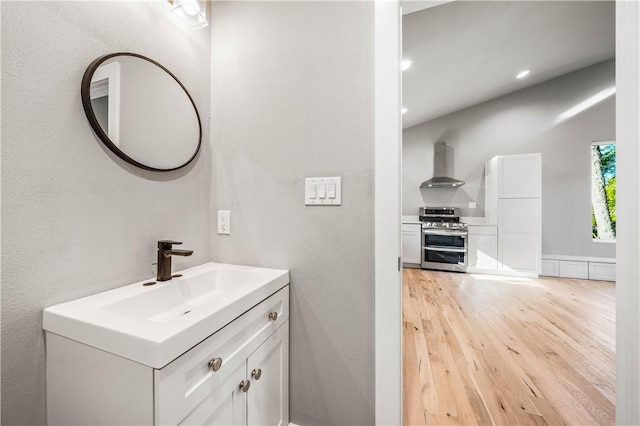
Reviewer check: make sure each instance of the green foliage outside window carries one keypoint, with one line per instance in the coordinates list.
(603, 191)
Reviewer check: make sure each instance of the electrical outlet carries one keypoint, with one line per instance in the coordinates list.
(472, 204)
(224, 222)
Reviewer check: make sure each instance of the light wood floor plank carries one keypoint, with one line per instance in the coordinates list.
(482, 350)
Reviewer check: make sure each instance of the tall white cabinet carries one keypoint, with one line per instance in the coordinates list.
(513, 202)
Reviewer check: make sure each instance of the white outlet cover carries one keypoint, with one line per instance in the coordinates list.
(472, 204)
(224, 222)
(323, 191)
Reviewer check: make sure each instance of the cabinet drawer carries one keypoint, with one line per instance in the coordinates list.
(573, 269)
(184, 383)
(602, 271)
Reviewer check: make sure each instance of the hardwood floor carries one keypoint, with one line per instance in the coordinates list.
(508, 351)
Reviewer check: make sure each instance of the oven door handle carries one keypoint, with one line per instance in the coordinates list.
(462, 234)
(446, 249)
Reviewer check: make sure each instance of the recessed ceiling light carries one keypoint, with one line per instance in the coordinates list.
(523, 74)
(404, 110)
(405, 64)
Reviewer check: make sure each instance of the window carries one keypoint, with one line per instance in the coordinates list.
(603, 191)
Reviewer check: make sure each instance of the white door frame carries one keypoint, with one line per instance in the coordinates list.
(628, 211)
(388, 289)
(388, 280)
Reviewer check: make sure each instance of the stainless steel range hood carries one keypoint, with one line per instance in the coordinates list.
(440, 178)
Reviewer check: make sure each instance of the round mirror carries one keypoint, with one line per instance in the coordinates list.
(141, 111)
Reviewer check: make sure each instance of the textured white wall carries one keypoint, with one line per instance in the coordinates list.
(77, 220)
(521, 122)
(292, 97)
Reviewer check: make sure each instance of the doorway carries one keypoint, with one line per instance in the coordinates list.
(629, 242)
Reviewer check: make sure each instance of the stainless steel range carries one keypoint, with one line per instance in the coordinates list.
(444, 239)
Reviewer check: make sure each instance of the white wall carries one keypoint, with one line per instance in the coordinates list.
(521, 122)
(76, 219)
(292, 97)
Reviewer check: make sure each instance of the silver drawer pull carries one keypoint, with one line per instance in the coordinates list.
(273, 316)
(244, 385)
(215, 364)
(446, 249)
(256, 374)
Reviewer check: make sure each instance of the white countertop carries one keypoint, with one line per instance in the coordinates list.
(476, 221)
(411, 220)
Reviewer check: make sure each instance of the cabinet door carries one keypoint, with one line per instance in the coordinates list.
(520, 176)
(268, 395)
(519, 235)
(519, 252)
(411, 237)
(483, 251)
(225, 405)
(517, 216)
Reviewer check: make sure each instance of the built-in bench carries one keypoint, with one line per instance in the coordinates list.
(588, 268)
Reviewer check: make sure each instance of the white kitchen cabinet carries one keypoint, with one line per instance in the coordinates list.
(513, 202)
(573, 269)
(511, 176)
(602, 271)
(86, 385)
(567, 266)
(549, 268)
(411, 244)
(519, 176)
(519, 246)
(518, 253)
(482, 248)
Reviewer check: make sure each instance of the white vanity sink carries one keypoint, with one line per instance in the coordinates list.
(155, 324)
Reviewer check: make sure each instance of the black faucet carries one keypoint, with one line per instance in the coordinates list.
(165, 252)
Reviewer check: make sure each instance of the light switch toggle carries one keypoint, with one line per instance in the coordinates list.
(331, 193)
(323, 191)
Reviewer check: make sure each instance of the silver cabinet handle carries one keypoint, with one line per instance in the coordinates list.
(256, 374)
(244, 385)
(273, 316)
(215, 364)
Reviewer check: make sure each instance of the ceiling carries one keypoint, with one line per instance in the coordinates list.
(468, 52)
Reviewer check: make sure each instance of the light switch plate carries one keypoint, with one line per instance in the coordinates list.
(224, 222)
(323, 191)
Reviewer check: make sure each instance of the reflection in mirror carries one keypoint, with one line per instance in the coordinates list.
(105, 98)
(141, 111)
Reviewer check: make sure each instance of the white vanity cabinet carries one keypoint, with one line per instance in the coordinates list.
(411, 244)
(237, 376)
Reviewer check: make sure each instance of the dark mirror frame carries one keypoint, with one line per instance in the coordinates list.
(85, 92)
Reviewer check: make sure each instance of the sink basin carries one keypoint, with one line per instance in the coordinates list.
(155, 324)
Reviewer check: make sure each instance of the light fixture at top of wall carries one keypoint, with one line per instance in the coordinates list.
(405, 64)
(523, 74)
(404, 110)
(190, 13)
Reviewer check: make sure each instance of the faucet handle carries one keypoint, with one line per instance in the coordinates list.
(166, 244)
